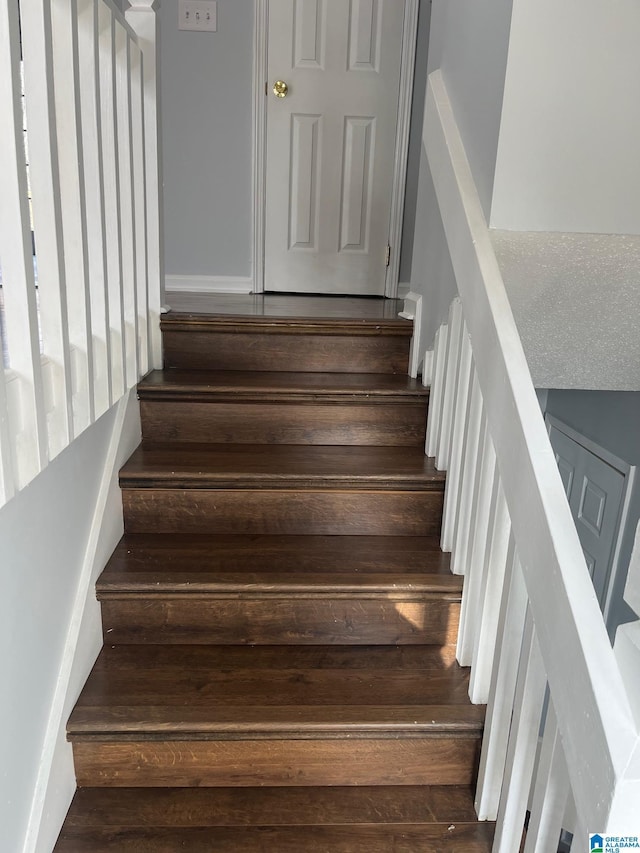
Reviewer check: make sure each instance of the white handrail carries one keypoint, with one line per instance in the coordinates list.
(524, 541)
(82, 79)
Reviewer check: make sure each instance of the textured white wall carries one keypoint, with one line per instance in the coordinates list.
(570, 134)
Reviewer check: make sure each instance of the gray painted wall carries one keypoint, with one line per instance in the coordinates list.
(612, 420)
(206, 83)
(431, 271)
(415, 140)
(469, 42)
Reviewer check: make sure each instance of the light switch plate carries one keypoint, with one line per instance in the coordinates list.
(198, 15)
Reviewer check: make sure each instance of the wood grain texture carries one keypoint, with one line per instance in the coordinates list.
(178, 562)
(328, 513)
(440, 759)
(282, 408)
(440, 838)
(327, 422)
(267, 618)
(355, 350)
(224, 466)
(248, 386)
(184, 807)
(197, 680)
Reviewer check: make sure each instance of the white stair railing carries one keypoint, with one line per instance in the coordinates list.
(81, 316)
(531, 627)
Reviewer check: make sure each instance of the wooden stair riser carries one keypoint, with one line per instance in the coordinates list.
(323, 423)
(331, 512)
(148, 762)
(306, 620)
(213, 349)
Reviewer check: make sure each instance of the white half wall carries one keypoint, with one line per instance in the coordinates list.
(56, 536)
(570, 134)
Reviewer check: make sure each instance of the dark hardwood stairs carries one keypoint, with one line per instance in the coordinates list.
(279, 667)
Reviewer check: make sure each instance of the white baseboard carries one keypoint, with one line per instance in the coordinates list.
(55, 784)
(209, 283)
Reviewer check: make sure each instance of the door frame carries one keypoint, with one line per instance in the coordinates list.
(628, 471)
(259, 141)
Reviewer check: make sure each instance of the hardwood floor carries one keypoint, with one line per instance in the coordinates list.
(279, 669)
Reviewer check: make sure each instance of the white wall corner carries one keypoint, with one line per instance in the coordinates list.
(404, 288)
(56, 782)
(632, 588)
(412, 310)
(427, 368)
(209, 283)
(627, 652)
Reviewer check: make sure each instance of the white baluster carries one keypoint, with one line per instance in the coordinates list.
(437, 390)
(470, 451)
(125, 182)
(47, 217)
(106, 41)
(550, 791)
(142, 18)
(88, 53)
(483, 498)
(461, 414)
(523, 741)
(72, 205)
(513, 607)
(499, 551)
(26, 423)
(452, 364)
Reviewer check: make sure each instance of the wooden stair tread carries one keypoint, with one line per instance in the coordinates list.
(177, 723)
(313, 806)
(399, 838)
(331, 326)
(435, 838)
(211, 466)
(240, 385)
(321, 564)
(253, 690)
(284, 305)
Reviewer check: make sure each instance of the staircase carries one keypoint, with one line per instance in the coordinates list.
(279, 665)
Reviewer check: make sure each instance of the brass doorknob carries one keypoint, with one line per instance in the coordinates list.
(280, 89)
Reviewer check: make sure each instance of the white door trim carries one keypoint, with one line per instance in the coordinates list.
(259, 141)
(628, 471)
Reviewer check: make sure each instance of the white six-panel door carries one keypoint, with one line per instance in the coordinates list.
(331, 143)
(595, 490)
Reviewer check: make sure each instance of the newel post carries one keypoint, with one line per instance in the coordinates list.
(142, 18)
